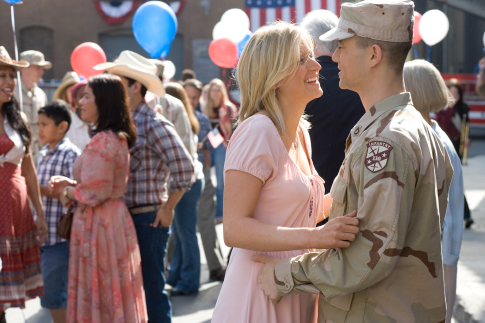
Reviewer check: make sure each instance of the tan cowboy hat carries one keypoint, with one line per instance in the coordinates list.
(6, 60)
(137, 67)
(34, 57)
(69, 79)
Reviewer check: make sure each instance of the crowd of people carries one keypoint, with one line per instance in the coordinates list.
(130, 154)
(371, 222)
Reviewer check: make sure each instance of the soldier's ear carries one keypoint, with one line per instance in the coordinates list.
(376, 55)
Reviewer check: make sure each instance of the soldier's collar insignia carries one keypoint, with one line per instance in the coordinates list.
(357, 131)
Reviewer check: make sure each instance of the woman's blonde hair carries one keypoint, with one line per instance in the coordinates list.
(428, 89)
(209, 105)
(177, 90)
(271, 56)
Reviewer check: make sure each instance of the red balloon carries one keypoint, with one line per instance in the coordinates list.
(223, 52)
(86, 56)
(417, 35)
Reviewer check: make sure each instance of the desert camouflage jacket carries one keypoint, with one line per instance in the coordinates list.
(396, 174)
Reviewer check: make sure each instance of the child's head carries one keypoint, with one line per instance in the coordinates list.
(54, 121)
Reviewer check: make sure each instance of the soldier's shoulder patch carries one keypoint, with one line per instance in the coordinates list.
(378, 153)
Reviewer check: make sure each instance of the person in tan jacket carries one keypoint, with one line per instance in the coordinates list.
(396, 174)
(33, 97)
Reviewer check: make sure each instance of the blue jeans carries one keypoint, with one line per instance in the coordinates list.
(218, 158)
(185, 265)
(55, 267)
(153, 247)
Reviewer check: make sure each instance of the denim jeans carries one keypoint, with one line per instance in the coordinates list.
(218, 158)
(185, 265)
(153, 247)
(55, 266)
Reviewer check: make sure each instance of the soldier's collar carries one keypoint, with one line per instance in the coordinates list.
(378, 109)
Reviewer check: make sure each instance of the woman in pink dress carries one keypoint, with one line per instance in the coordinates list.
(20, 236)
(273, 196)
(105, 279)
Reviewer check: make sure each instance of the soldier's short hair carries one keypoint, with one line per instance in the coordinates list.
(395, 53)
(427, 87)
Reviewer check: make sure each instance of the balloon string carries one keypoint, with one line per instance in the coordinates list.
(19, 83)
(429, 53)
(415, 52)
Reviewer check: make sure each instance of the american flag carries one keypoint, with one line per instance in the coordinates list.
(264, 12)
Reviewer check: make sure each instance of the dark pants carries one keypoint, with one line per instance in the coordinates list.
(153, 246)
(185, 265)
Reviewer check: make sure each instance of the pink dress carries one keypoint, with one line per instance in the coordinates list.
(105, 279)
(288, 198)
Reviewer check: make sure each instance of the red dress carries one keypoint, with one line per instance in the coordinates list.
(21, 277)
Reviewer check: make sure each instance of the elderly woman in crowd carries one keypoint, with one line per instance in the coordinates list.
(78, 132)
(20, 277)
(273, 196)
(430, 94)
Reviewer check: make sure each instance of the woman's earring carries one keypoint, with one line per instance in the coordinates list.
(275, 92)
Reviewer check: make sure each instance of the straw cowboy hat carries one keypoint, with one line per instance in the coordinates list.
(69, 79)
(6, 60)
(137, 67)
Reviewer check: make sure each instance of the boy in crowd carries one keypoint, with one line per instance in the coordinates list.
(55, 158)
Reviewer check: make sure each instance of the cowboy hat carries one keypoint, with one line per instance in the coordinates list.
(34, 57)
(69, 79)
(6, 60)
(137, 67)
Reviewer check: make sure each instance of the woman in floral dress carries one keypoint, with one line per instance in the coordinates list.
(105, 279)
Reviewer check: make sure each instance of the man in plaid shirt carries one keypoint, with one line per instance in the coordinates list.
(161, 170)
(56, 158)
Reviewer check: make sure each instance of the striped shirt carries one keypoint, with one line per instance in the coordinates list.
(159, 161)
(57, 161)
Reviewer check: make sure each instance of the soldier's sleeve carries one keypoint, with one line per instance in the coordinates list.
(385, 200)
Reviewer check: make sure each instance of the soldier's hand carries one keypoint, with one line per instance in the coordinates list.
(337, 233)
(266, 278)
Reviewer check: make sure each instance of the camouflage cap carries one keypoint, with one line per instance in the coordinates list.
(386, 20)
(35, 57)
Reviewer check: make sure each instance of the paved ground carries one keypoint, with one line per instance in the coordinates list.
(470, 307)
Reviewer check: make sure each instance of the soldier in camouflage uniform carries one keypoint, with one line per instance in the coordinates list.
(396, 174)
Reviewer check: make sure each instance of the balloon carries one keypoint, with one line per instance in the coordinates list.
(417, 20)
(168, 70)
(154, 26)
(483, 39)
(224, 29)
(236, 17)
(165, 51)
(242, 43)
(84, 57)
(12, 1)
(223, 52)
(433, 27)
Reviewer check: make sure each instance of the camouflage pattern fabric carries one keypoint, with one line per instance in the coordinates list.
(396, 174)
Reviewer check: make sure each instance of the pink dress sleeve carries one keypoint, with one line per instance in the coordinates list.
(254, 148)
(97, 171)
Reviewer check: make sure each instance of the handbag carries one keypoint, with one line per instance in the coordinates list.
(65, 224)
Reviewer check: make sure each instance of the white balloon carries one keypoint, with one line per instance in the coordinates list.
(433, 27)
(483, 39)
(223, 29)
(236, 17)
(168, 70)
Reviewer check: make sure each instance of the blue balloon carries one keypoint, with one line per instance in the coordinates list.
(242, 43)
(12, 1)
(154, 26)
(165, 51)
